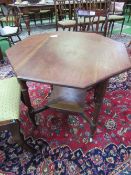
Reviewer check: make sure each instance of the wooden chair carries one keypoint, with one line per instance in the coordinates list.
(116, 14)
(10, 93)
(63, 15)
(128, 11)
(11, 25)
(96, 19)
(9, 110)
(99, 23)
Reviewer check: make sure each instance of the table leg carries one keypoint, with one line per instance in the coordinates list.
(26, 100)
(99, 93)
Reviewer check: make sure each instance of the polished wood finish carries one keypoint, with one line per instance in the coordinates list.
(72, 63)
(69, 99)
(68, 59)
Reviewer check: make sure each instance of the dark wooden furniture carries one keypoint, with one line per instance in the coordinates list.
(63, 15)
(92, 16)
(116, 15)
(9, 109)
(93, 21)
(73, 63)
(29, 6)
(11, 25)
(128, 7)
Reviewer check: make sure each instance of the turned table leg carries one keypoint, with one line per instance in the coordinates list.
(99, 93)
(26, 100)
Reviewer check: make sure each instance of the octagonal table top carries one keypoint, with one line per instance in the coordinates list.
(71, 59)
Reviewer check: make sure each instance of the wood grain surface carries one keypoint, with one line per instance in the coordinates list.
(71, 59)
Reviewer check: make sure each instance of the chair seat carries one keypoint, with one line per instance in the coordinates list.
(87, 21)
(102, 19)
(81, 20)
(116, 17)
(7, 30)
(9, 99)
(67, 22)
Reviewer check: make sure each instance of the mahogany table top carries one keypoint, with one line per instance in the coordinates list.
(71, 59)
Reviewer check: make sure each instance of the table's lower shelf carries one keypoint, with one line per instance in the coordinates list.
(69, 99)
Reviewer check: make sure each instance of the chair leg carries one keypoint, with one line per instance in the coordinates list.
(11, 40)
(41, 19)
(128, 18)
(18, 136)
(112, 26)
(18, 37)
(122, 26)
(109, 26)
(56, 27)
(1, 56)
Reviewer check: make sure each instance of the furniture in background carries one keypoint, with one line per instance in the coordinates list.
(46, 10)
(92, 16)
(93, 21)
(46, 14)
(72, 63)
(128, 10)
(63, 15)
(11, 25)
(34, 11)
(116, 14)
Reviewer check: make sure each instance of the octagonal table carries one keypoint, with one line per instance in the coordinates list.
(72, 62)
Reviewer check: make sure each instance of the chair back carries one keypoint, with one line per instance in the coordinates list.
(62, 9)
(92, 4)
(13, 17)
(99, 22)
(117, 6)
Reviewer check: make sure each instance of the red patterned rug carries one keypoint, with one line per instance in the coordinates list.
(61, 140)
